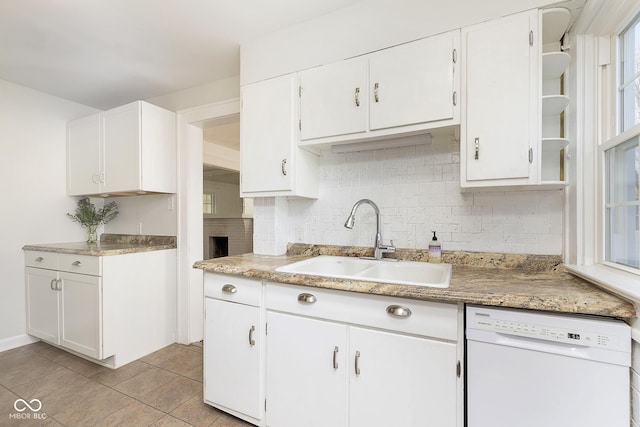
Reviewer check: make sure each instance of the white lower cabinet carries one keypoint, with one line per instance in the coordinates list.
(306, 372)
(283, 355)
(339, 358)
(234, 346)
(66, 309)
(111, 309)
(401, 380)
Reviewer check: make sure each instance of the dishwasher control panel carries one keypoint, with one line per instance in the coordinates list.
(573, 330)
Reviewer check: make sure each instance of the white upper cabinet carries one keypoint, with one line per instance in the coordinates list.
(512, 126)
(414, 83)
(271, 164)
(334, 99)
(499, 121)
(122, 151)
(402, 90)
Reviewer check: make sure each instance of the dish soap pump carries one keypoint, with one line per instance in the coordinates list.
(435, 250)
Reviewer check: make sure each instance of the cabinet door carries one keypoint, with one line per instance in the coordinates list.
(333, 99)
(233, 344)
(83, 156)
(81, 314)
(413, 83)
(306, 375)
(402, 381)
(500, 98)
(121, 148)
(42, 304)
(268, 135)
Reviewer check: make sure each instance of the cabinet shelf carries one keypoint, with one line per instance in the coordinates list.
(554, 64)
(554, 104)
(555, 22)
(554, 144)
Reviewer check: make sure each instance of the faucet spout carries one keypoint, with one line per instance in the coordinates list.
(379, 248)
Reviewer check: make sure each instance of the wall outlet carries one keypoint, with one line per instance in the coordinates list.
(139, 228)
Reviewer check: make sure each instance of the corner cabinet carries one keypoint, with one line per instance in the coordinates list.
(271, 164)
(403, 90)
(503, 118)
(111, 309)
(127, 150)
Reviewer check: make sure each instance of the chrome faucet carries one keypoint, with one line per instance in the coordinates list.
(379, 247)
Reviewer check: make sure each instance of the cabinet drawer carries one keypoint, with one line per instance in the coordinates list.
(81, 264)
(426, 318)
(233, 288)
(38, 259)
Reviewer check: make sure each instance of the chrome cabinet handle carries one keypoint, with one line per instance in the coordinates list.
(477, 142)
(398, 311)
(76, 263)
(376, 92)
(283, 166)
(229, 289)
(59, 282)
(335, 357)
(357, 95)
(307, 298)
(95, 178)
(39, 259)
(53, 288)
(252, 342)
(357, 363)
(102, 177)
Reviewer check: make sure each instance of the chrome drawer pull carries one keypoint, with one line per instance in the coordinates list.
(252, 342)
(229, 289)
(357, 363)
(39, 259)
(398, 311)
(53, 288)
(307, 298)
(76, 263)
(335, 357)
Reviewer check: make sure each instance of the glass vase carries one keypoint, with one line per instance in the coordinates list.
(92, 233)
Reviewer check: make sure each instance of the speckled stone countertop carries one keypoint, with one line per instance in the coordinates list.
(504, 280)
(109, 244)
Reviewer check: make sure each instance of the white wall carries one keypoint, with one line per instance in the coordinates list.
(417, 190)
(150, 214)
(228, 202)
(208, 93)
(34, 201)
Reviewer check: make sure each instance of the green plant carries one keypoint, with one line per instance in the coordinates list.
(87, 215)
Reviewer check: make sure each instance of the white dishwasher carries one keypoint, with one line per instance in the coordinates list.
(533, 369)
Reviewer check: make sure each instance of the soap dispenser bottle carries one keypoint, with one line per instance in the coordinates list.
(435, 250)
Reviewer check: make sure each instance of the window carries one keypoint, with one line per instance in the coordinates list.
(622, 159)
(209, 203)
(629, 89)
(622, 206)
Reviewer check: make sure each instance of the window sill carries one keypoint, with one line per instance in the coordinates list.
(620, 282)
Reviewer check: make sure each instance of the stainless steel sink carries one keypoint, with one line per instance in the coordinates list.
(401, 272)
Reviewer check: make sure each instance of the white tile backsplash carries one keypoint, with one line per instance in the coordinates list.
(417, 190)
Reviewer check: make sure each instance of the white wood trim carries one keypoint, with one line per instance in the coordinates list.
(189, 236)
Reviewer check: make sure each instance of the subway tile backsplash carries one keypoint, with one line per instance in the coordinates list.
(417, 190)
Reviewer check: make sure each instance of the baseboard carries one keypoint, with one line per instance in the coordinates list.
(17, 341)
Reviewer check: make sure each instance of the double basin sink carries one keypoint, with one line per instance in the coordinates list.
(401, 272)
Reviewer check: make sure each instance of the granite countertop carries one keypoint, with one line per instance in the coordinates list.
(109, 244)
(517, 281)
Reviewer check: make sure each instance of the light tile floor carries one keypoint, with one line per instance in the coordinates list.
(161, 389)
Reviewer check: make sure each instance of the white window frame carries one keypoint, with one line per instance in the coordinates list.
(594, 44)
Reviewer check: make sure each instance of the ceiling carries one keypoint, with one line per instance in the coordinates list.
(107, 53)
